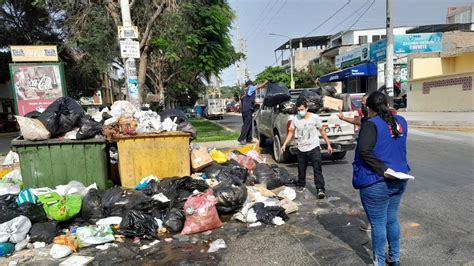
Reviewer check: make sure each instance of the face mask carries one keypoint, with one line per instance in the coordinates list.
(302, 113)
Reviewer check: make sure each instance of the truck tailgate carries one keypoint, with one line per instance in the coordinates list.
(335, 126)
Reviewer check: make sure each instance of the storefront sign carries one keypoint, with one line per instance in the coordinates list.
(34, 53)
(407, 44)
(35, 86)
(353, 57)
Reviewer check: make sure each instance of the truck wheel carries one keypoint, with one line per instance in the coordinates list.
(279, 157)
(338, 155)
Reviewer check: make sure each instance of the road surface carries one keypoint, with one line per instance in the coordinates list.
(232, 121)
(5, 140)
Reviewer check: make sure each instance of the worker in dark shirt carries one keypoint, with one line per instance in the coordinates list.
(247, 107)
(381, 149)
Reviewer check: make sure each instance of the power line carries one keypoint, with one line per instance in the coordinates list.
(329, 18)
(360, 16)
(345, 20)
(255, 29)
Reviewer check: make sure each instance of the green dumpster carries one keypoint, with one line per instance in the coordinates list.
(55, 162)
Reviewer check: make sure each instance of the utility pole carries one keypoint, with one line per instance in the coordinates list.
(129, 34)
(292, 82)
(389, 60)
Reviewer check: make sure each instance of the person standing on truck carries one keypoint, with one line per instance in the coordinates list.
(247, 108)
(306, 126)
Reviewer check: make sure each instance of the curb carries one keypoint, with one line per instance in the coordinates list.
(449, 124)
(226, 128)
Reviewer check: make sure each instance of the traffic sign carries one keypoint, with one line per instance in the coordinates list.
(129, 49)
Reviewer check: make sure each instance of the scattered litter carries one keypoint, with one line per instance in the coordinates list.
(168, 240)
(94, 235)
(149, 245)
(216, 245)
(278, 221)
(332, 198)
(39, 245)
(160, 197)
(107, 246)
(348, 224)
(77, 261)
(182, 238)
(255, 224)
(109, 220)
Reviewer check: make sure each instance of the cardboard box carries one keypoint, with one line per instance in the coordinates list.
(332, 103)
(200, 159)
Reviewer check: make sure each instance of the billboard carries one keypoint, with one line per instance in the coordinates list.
(35, 86)
(34, 53)
(353, 57)
(407, 44)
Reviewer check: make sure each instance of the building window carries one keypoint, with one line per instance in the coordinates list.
(362, 39)
(375, 38)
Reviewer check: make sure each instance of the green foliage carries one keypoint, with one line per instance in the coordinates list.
(277, 73)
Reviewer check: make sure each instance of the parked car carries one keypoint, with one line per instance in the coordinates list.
(8, 122)
(216, 108)
(271, 123)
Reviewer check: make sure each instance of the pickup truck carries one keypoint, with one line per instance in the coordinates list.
(271, 123)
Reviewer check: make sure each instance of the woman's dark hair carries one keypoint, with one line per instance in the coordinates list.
(377, 101)
(301, 102)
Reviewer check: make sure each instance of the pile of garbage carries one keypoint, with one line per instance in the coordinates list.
(73, 216)
(65, 118)
(323, 99)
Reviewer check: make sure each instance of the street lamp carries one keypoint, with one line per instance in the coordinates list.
(291, 58)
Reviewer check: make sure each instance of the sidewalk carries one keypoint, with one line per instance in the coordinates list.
(440, 119)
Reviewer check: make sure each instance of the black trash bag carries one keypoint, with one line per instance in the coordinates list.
(230, 196)
(62, 116)
(266, 176)
(288, 108)
(138, 223)
(34, 212)
(213, 170)
(188, 128)
(276, 94)
(191, 184)
(327, 91)
(105, 116)
(174, 113)
(174, 220)
(34, 114)
(158, 212)
(267, 214)
(237, 171)
(8, 207)
(226, 172)
(177, 190)
(151, 188)
(284, 175)
(92, 209)
(89, 128)
(313, 99)
(117, 201)
(44, 232)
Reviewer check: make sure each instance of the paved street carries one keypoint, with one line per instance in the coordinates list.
(232, 121)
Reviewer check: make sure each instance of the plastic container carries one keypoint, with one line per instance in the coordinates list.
(55, 162)
(162, 155)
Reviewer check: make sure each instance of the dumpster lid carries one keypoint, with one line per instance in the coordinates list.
(153, 135)
(19, 141)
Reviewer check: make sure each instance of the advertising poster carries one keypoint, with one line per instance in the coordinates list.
(35, 86)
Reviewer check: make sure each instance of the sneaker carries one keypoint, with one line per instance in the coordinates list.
(321, 193)
(242, 142)
(251, 142)
(365, 227)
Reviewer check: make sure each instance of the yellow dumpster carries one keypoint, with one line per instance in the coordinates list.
(162, 155)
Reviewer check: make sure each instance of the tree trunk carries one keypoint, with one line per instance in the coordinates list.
(142, 71)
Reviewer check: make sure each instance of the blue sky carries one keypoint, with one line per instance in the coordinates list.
(296, 18)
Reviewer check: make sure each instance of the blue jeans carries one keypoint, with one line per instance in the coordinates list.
(381, 201)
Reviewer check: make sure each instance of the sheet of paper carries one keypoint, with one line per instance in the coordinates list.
(399, 175)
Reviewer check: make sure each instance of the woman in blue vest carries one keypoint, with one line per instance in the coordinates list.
(381, 147)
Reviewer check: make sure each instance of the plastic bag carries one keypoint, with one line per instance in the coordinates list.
(92, 209)
(169, 125)
(71, 134)
(288, 108)
(313, 99)
(65, 209)
(94, 235)
(230, 196)
(218, 156)
(174, 220)
(66, 240)
(267, 214)
(59, 251)
(266, 176)
(117, 201)
(284, 176)
(44, 232)
(246, 162)
(237, 170)
(73, 187)
(13, 177)
(89, 128)
(32, 129)
(177, 190)
(8, 208)
(9, 188)
(26, 196)
(120, 108)
(6, 249)
(11, 158)
(276, 94)
(173, 114)
(138, 223)
(62, 116)
(34, 212)
(148, 122)
(188, 128)
(201, 213)
(15, 230)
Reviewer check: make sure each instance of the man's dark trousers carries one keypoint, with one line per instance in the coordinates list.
(246, 132)
(313, 156)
